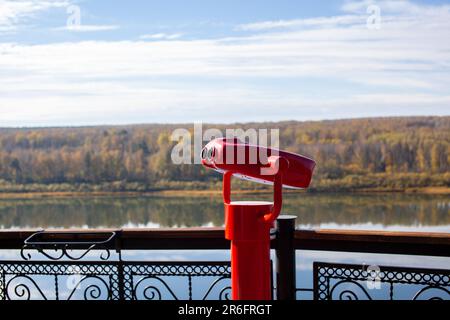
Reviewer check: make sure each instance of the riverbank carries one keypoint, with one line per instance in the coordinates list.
(201, 193)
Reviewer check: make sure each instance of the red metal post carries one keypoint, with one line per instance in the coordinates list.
(248, 226)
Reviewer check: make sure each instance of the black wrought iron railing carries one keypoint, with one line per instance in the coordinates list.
(89, 265)
(346, 282)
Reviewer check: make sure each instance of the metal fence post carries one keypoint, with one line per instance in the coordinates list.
(285, 254)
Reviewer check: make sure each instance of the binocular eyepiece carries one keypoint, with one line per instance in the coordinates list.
(258, 163)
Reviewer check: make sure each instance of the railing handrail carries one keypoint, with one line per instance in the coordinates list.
(388, 242)
(375, 235)
(409, 243)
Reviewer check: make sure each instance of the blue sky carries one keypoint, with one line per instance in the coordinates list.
(229, 61)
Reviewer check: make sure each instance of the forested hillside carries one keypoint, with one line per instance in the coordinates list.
(384, 153)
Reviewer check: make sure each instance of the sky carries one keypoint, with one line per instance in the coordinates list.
(91, 62)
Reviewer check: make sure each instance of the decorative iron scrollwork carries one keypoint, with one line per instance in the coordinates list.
(61, 252)
(348, 294)
(224, 292)
(57, 250)
(41, 280)
(109, 280)
(152, 292)
(423, 291)
(92, 291)
(351, 282)
(148, 281)
(21, 290)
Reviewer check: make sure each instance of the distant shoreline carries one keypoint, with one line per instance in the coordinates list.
(184, 193)
(400, 154)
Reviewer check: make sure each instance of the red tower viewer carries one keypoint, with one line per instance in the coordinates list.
(248, 223)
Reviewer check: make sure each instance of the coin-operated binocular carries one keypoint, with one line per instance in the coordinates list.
(248, 223)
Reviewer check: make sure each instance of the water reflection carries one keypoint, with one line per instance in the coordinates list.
(313, 210)
(380, 211)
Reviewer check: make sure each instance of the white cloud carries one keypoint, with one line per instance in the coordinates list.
(297, 23)
(89, 28)
(161, 36)
(12, 12)
(403, 68)
(390, 6)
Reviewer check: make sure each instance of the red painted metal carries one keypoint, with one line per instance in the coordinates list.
(248, 223)
(255, 163)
